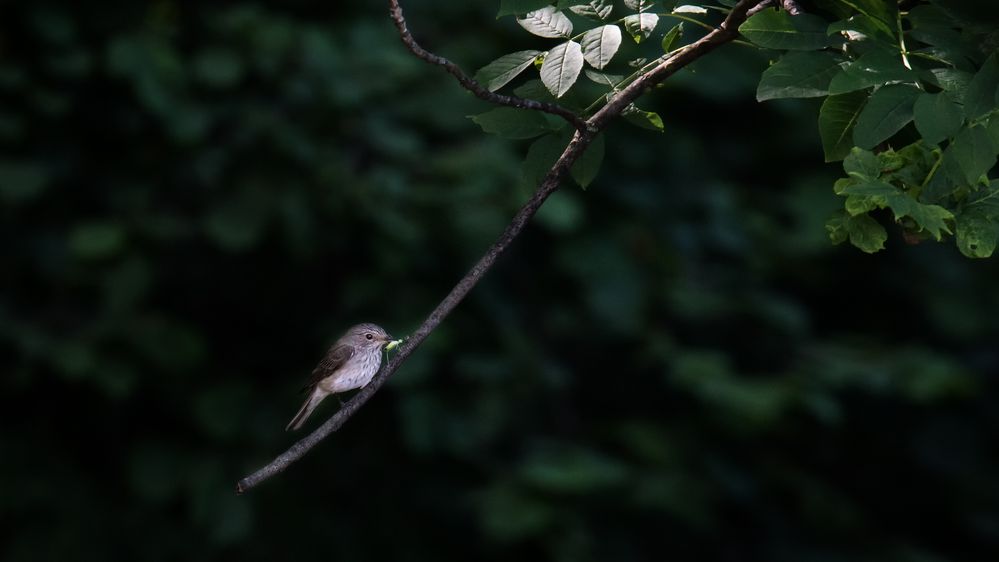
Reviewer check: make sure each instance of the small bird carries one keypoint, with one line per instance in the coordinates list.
(350, 363)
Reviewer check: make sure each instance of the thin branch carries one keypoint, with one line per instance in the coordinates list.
(395, 11)
(791, 7)
(582, 138)
(727, 31)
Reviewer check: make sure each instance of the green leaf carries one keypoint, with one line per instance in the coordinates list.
(974, 153)
(888, 110)
(777, 29)
(952, 80)
(640, 26)
(798, 75)
(976, 235)
(498, 73)
(862, 164)
(508, 7)
(981, 95)
(600, 44)
(837, 118)
(937, 117)
(881, 10)
(512, 123)
(541, 156)
(867, 27)
(562, 67)
(547, 22)
(594, 9)
(874, 188)
(604, 79)
(588, 164)
(931, 218)
(874, 68)
(534, 90)
(644, 119)
(863, 232)
(671, 36)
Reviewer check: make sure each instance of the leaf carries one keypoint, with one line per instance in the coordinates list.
(588, 164)
(877, 9)
(980, 97)
(689, 9)
(547, 22)
(888, 110)
(640, 26)
(534, 90)
(561, 67)
(859, 28)
(594, 9)
(937, 117)
(878, 188)
(931, 218)
(508, 7)
(541, 156)
(837, 118)
(976, 235)
(862, 164)
(512, 123)
(498, 73)
(776, 29)
(671, 36)
(862, 231)
(600, 44)
(798, 75)
(644, 119)
(604, 79)
(874, 68)
(974, 154)
(639, 5)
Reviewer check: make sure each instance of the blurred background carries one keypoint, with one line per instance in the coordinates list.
(675, 364)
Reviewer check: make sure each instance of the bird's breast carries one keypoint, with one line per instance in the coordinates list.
(356, 372)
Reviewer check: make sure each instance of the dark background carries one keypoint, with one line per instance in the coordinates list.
(673, 365)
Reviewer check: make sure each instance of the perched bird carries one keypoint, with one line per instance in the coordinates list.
(350, 363)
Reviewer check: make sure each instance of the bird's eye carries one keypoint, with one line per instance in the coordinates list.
(369, 336)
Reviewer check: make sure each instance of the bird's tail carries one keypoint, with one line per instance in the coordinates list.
(303, 414)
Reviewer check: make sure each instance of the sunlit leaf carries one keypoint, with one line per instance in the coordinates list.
(498, 73)
(600, 44)
(546, 22)
(562, 67)
(640, 26)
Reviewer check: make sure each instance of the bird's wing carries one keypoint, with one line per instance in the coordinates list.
(335, 357)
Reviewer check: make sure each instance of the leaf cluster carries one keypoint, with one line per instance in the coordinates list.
(911, 101)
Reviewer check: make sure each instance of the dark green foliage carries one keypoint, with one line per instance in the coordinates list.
(930, 63)
(672, 365)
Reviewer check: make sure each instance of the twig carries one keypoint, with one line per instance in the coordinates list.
(727, 31)
(791, 7)
(395, 11)
(582, 138)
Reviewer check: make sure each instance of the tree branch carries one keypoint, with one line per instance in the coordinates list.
(395, 11)
(580, 141)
